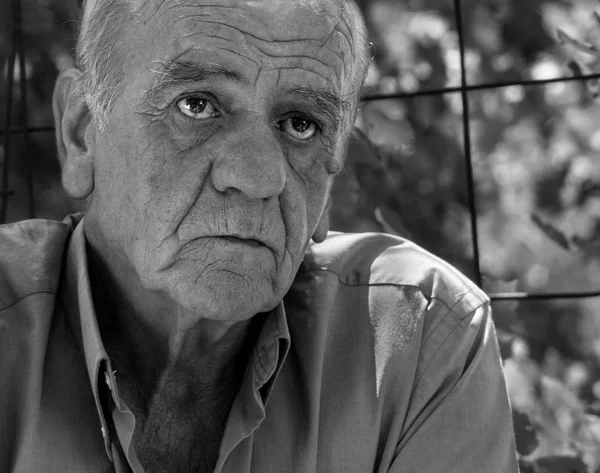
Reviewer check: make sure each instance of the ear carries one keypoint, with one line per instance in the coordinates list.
(75, 136)
(323, 225)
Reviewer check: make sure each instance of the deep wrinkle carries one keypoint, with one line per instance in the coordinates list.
(177, 73)
(271, 46)
(194, 198)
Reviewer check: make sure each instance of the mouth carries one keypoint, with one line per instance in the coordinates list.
(245, 241)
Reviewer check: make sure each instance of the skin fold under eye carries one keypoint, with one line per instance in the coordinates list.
(299, 127)
(197, 107)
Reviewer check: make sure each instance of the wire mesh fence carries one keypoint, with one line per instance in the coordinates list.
(476, 99)
(16, 63)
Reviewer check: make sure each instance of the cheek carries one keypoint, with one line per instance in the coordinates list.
(173, 174)
(307, 197)
(115, 199)
(165, 180)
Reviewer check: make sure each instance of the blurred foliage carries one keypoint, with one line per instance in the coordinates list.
(535, 153)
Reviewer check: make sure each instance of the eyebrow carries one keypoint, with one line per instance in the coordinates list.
(175, 73)
(329, 104)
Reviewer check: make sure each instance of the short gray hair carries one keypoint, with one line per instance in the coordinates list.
(100, 58)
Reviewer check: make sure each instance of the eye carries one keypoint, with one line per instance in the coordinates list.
(197, 107)
(299, 127)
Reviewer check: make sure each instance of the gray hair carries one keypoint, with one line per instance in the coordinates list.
(100, 58)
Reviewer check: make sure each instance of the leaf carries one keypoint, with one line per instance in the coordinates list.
(572, 45)
(391, 222)
(525, 433)
(596, 17)
(560, 464)
(556, 235)
(391, 135)
(526, 466)
(593, 409)
(364, 162)
(556, 395)
(580, 69)
(591, 244)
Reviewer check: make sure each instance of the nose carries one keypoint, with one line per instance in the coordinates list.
(254, 164)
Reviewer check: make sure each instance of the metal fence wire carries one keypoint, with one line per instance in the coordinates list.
(17, 53)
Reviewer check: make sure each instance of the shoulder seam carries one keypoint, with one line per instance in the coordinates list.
(383, 284)
(16, 301)
(449, 309)
(458, 324)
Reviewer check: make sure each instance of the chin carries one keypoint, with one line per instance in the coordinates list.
(226, 295)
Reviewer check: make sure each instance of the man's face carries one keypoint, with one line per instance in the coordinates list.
(219, 156)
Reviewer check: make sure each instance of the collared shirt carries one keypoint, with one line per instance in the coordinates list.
(381, 358)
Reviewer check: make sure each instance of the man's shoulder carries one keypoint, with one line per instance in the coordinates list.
(379, 259)
(396, 302)
(31, 255)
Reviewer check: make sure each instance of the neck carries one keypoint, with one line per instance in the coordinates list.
(159, 348)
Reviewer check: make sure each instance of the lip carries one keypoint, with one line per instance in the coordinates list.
(244, 241)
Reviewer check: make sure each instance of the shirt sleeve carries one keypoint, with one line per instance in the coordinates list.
(459, 419)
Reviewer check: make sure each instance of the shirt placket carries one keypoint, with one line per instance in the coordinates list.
(248, 410)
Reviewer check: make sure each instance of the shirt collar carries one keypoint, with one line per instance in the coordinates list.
(269, 351)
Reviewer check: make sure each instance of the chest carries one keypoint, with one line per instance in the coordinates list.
(176, 440)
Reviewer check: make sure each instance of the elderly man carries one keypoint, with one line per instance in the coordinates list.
(186, 323)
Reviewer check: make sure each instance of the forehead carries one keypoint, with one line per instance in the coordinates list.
(299, 39)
